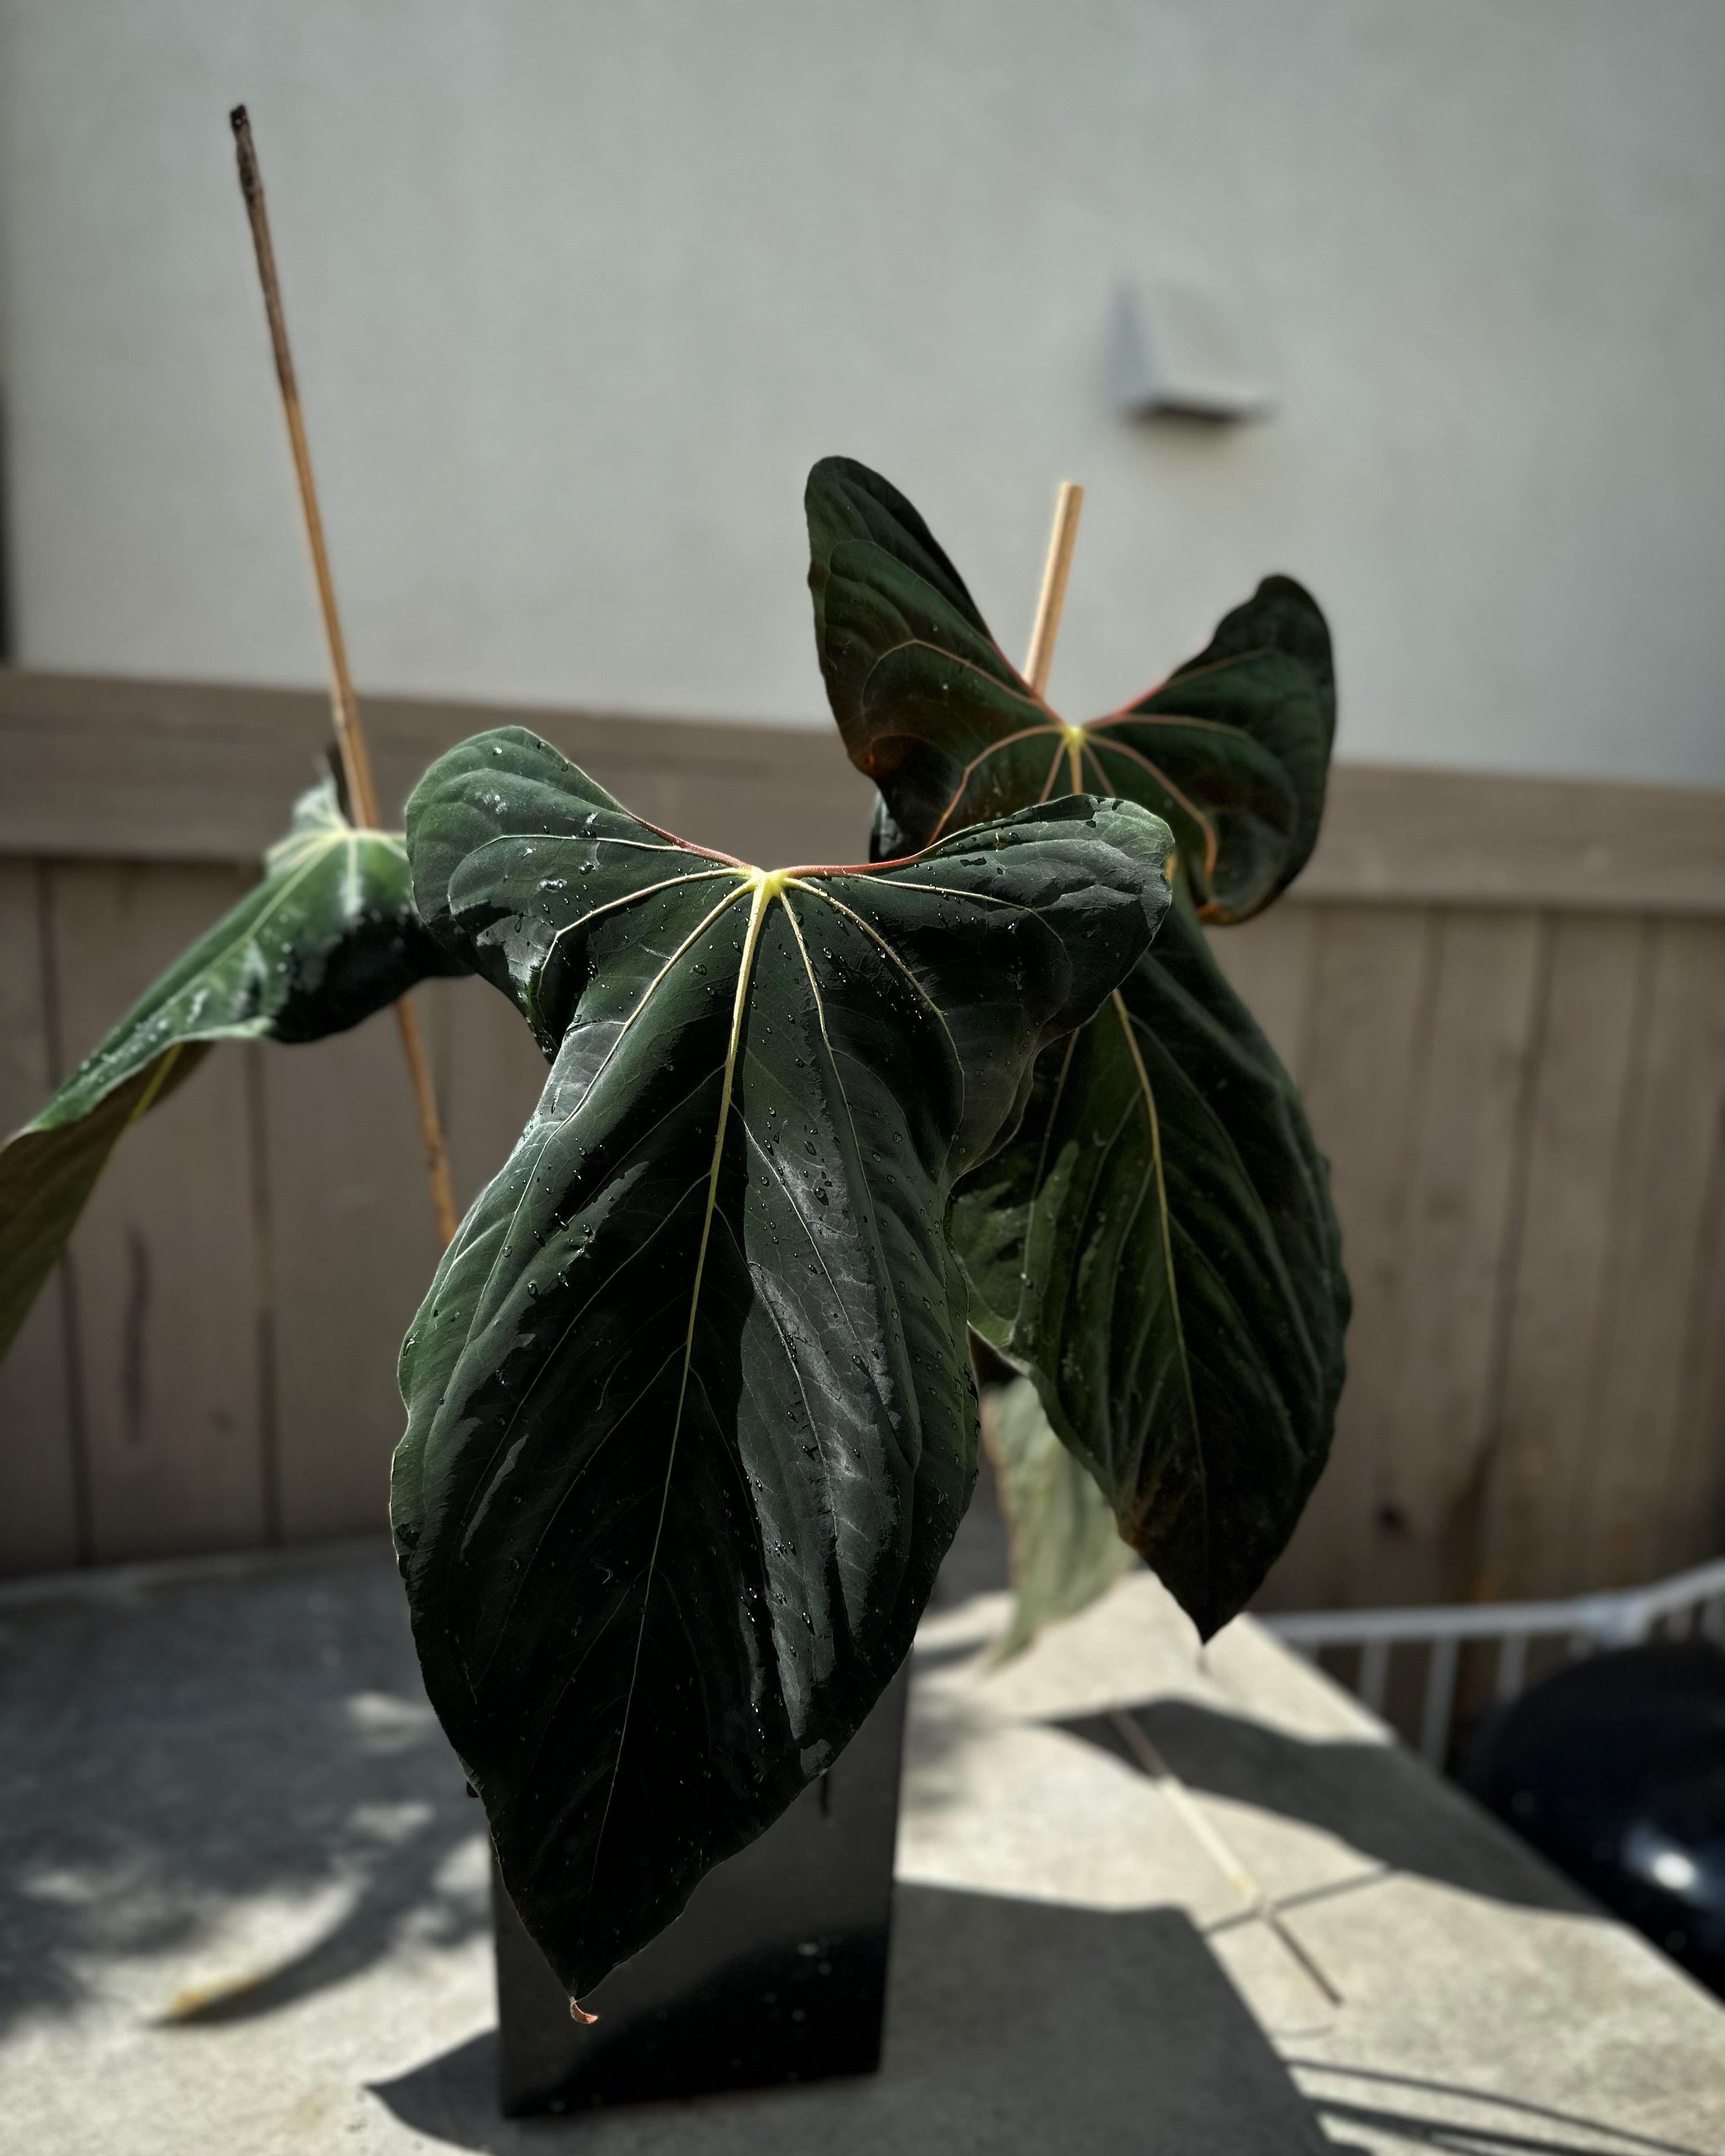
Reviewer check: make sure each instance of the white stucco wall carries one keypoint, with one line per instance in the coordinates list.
(579, 290)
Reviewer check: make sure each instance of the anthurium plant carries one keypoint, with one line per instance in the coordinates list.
(1154, 1248)
(690, 1422)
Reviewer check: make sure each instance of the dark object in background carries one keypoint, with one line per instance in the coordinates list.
(1615, 1769)
(776, 1971)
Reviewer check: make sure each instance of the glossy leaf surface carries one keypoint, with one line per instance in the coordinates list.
(690, 1420)
(327, 937)
(1157, 1246)
(1233, 749)
(1065, 1551)
(1236, 742)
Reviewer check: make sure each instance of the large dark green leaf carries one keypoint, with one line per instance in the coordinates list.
(1157, 1247)
(326, 937)
(1233, 749)
(690, 1420)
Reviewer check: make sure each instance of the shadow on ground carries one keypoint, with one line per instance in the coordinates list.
(1007, 2024)
(1408, 2110)
(173, 1748)
(169, 1751)
(1376, 1797)
(173, 1752)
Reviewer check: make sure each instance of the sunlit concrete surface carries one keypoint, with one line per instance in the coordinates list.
(245, 1909)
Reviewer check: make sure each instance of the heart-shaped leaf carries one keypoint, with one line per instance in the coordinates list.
(325, 938)
(1233, 749)
(1157, 1246)
(690, 1420)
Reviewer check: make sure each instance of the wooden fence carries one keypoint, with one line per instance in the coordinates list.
(1505, 1000)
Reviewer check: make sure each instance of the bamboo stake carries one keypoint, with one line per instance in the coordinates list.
(344, 706)
(1067, 504)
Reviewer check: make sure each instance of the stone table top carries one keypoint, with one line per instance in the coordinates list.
(1149, 1899)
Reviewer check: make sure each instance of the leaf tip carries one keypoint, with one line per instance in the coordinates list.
(577, 2012)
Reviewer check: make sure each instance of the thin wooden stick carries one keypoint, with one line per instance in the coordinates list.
(1070, 501)
(350, 741)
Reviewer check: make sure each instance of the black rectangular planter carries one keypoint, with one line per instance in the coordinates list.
(776, 1971)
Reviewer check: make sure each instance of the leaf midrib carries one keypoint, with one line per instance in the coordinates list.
(763, 889)
(1120, 1011)
(1147, 1099)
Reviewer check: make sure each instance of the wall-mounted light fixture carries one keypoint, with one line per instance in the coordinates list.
(1187, 349)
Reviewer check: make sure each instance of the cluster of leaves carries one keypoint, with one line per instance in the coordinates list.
(690, 1423)
(1155, 1249)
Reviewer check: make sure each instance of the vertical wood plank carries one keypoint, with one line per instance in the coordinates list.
(1557, 1299)
(39, 1524)
(353, 1247)
(1453, 1287)
(1269, 963)
(162, 1262)
(1371, 997)
(1694, 1506)
(1662, 1237)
